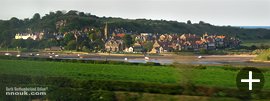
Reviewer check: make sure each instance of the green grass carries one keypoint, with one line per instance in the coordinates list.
(148, 80)
(212, 76)
(217, 76)
(90, 71)
(127, 96)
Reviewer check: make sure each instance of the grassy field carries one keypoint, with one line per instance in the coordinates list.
(90, 71)
(211, 76)
(160, 78)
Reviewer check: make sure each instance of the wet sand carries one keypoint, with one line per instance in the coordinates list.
(235, 60)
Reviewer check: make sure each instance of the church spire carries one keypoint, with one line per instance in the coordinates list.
(106, 31)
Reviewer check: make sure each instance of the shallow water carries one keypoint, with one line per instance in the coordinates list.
(161, 61)
(170, 61)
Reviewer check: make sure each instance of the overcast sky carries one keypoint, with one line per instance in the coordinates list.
(217, 12)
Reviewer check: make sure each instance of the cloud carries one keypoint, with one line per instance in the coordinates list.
(218, 12)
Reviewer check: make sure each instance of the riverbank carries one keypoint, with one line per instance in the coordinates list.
(235, 60)
(260, 61)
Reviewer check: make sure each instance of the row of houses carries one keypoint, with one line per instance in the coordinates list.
(33, 36)
(173, 42)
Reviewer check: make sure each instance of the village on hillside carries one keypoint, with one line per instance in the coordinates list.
(116, 40)
(172, 42)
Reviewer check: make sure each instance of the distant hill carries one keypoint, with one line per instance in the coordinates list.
(254, 27)
(75, 20)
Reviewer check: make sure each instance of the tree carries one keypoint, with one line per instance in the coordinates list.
(204, 51)
(71, 45)
(59, 13)
(63, 29)
(201, 22)
(85, 45)
(51, 43)
(14, 22)
(68, 37)
(36, 17)
(17, 43)
(92, 36)
(253, 47)
(81, 14)
(128, 40)
(100, 44)
(85, 49)
(30, 43)
(148, 45)
(72, 12)
(189, 22)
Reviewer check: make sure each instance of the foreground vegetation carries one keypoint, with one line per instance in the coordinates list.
(67, 80)
(264, 55)
(131, 96)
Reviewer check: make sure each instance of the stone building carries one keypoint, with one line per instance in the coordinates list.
(114, 45)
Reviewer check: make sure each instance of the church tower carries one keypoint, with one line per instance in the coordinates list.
(106, 31)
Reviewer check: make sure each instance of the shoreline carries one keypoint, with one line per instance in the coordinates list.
(259, 61)
(242, 60)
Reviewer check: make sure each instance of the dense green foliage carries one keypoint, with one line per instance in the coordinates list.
(78, 21)
(128, 40)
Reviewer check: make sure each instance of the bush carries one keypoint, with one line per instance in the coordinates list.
(101, 95)
(264, 55)
(201, 67)
(183, 66)
(152, 64)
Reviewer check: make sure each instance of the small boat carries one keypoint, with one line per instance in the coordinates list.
(7, 54)
(199, 57)
(18, 55)
(31, 54)
(146, 58)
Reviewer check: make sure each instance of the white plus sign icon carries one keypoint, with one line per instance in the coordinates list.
(250, 80)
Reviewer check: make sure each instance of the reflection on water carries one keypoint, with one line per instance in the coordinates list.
(141, 60)
(161, 61)
(239, 62)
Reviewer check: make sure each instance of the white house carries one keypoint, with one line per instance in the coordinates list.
(130, 49)
(25, 36)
